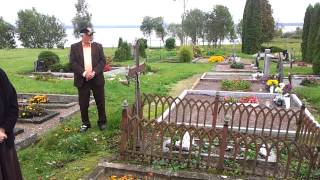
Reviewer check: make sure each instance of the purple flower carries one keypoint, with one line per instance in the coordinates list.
(287, 88)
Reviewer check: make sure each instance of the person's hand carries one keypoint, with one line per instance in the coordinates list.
(3, 135)
(90, 75)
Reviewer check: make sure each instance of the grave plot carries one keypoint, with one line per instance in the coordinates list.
(259, 115)
(303, 80)
(69, 75)
(229, 82)
(206, 132)
(225, 67)
(52, 101)
(56, 108)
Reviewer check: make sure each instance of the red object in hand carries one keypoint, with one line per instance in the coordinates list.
(106, 68)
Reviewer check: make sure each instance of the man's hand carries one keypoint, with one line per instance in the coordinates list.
(90, 75)
(3, 135)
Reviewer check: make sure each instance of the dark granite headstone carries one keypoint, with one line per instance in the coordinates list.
(257, 60)
(40, 66)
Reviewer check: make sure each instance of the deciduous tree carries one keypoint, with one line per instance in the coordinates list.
(193, 24)
(36, 30)
(7, 32)
(147, 27)
(82, 18)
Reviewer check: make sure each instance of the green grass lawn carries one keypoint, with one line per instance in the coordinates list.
(63, 153)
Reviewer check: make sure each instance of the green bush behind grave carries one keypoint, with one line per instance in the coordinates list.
(185, 54)
(49, 58)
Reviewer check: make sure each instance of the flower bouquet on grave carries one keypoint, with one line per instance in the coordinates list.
(39, 99)
(272, 84)
(283, 93)
(216, 58)
(248, 100)
(31, 111)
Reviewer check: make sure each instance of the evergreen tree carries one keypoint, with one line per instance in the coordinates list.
(313, 32)
(267, 20)
(82, 18)
(252, 27)
(305, 33)
(6, 35)
(316, 58)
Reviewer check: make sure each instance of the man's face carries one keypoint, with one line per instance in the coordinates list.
(87, 38)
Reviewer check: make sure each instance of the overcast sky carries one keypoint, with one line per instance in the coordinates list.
(131, 12)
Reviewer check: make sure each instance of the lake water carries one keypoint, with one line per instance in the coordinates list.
(109, 37)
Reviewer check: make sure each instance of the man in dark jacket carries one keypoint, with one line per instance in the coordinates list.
(87, 62)
(9, 164)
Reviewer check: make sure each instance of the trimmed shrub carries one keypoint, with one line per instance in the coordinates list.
(123, 52)
(216, 52)
(49, 58)
(274, 49)
(185, 54)
(170, 43)
(58, 67)
(142, 47)
(236, 65)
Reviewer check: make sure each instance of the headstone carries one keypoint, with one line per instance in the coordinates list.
(290, 79)
(257, 60)
(40, 66)
(285, 55)
(266, 67)
(291, 55)
(280, 69)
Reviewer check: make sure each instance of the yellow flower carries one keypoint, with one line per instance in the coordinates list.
(113, 177)
(272, 82)
(214, 59)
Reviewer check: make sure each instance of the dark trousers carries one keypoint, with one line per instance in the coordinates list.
(84, 98)
(9, 164)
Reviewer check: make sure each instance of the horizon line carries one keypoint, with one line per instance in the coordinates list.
(137, 26)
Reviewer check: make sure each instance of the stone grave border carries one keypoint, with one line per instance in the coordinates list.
(17, 131)
(107, 169)
(70, 75)
(71, 99)
(32, 138)
(246, 76)
(39, 120)
(236, 70)
(293, 98)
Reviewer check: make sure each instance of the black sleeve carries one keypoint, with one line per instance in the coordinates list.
(76, 68)
(102, 61)
(12, 110)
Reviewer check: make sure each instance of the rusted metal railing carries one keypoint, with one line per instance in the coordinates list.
(205, 134)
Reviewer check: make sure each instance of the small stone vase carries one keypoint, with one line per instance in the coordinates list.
(271, 89)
